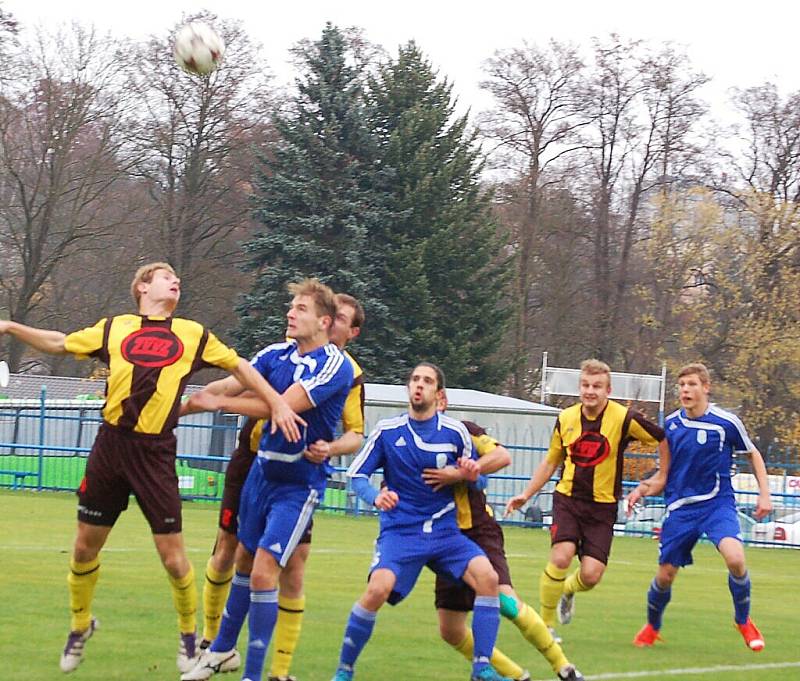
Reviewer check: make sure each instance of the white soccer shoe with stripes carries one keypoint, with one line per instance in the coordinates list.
(73, 650)
(211, 663)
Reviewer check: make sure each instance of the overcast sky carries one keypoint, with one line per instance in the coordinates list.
(737, 43)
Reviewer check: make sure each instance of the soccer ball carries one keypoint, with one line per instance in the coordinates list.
(198, 48)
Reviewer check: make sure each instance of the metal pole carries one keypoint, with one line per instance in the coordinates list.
(42, 412)
(543, 398)
(663, 393)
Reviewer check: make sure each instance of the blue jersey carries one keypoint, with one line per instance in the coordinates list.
(403, 447)
(326, 375)
(701, 455)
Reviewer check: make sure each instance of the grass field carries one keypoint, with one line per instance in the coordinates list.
(138, 640)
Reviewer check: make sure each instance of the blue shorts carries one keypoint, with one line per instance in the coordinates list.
(683, 528)
(274, 515)
(446, 553)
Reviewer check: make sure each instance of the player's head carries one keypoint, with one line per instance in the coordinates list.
(348, 320)
(425, 385)
(594, 384)
(156, 282)
(694, 386)
(311, 311)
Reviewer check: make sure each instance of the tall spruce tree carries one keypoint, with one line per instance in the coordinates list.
(321, 195)
(442, 268)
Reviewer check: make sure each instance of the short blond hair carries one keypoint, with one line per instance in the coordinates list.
(697, 369)
(323, 296)
(595, 366)
(144, 275)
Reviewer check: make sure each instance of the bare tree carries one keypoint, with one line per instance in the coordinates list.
(643, 108)
(194, 140)
(535, 126)
(59, 161)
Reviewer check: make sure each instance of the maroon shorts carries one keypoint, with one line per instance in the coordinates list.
(122, 463)
(587, 524)
(235, 477)
(457, 595)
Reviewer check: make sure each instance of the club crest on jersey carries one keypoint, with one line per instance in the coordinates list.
(702, 437)
(589, 450)
(152, 346)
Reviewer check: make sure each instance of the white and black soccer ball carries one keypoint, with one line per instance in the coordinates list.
(198, 48)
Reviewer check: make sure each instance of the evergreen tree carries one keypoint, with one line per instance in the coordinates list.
(441, 269)
(320, 196)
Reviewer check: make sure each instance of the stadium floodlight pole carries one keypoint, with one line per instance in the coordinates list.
(544, 378)
(663, 394)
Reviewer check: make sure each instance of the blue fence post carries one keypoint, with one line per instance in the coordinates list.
(42, 415)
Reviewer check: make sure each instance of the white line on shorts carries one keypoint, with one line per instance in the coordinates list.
(688, 670)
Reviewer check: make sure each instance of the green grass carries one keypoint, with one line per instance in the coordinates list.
(138, 640)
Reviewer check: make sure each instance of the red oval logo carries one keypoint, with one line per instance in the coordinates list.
(589, 449)
(152, 346)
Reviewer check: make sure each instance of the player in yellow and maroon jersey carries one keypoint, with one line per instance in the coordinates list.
(150, 356)
(588, 444)
(220, 567)
(455, 600)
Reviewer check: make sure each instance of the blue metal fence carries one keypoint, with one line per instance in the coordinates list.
(44, 444)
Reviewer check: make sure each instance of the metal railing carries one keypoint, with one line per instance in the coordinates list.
(44, 445)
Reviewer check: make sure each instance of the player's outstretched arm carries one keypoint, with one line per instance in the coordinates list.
(51, 342)
(541, 475)
(281, 414)
(653, 485)
(348, 443)
(467, 470)
(494, 461)
(764, 503)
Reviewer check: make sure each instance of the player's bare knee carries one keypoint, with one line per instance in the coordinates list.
(666, 575)
(483, 577)
(291, 580)
(243, 560)
(225, 551)
(451, 632)
(176, 564)
(591, 577)
(561, 554)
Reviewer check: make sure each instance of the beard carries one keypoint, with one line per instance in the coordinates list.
(420, 407)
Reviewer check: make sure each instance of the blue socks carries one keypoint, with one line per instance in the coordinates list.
(657, 599)
(236, 608)
(359, 628)
(261, 622)
(740, 591)
(485, 621)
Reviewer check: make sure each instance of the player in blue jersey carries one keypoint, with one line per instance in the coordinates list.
(417, 522)
(284, 486)
(695, 476)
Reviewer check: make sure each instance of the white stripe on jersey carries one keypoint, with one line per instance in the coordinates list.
(300, 527)
(427, 447)
(461, 429)
(369, 445)
(275, 346)
(737, 422)
(328, 371)
(280, 456)
(427, 526)
(702, 425)
(683, 501)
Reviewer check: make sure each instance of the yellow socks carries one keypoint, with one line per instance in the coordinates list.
(573, 584)
(81, 581)
(287, 633)
(504, 665)
(551, 585)
(216, 588)
(536, 632)
(184, 596)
